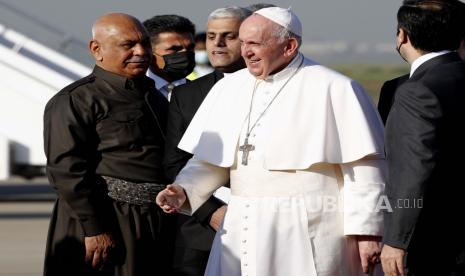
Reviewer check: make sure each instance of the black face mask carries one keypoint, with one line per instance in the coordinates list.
(398, 51)
(179, 65)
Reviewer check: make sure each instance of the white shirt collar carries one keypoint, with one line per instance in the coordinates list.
(424, 58)
(161, 83)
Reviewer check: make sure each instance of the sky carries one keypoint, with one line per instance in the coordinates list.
(351, 21)
(348, 20)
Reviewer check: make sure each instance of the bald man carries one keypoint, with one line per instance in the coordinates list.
(104, 140)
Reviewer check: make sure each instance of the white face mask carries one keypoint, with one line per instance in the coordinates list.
(201, 57)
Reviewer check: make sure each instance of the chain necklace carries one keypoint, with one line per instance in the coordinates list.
(246, 147)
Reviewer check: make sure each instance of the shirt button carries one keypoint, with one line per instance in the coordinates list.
(247, 205)
(245, 264)
(244, 241)
(245, 229)
(245, 252)
(246, 217)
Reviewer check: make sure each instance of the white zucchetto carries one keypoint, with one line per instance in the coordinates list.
(283, 17)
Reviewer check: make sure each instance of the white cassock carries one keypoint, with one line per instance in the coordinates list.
(315, 177)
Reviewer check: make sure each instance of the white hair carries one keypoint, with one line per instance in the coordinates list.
(281, 33)
(230, 12)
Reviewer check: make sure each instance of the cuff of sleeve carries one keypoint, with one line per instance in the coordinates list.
(395, 244)
(362, 215)
(92, 227)
(193, 202)
(204, 213)
(394, 234)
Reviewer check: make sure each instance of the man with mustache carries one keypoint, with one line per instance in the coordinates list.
(172, 40)
(104, 140)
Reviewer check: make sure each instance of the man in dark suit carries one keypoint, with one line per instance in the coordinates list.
(172, 41)
(196, 233)
(388, 90)
(425, 188)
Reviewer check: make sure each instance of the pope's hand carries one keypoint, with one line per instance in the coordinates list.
(369, 249)
(171, 198)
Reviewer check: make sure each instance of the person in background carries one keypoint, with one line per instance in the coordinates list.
(202, 64)
(104, 140)
(423, 233)
(196, 233)
(172, 39)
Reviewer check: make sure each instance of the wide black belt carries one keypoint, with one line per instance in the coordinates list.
(132, 192)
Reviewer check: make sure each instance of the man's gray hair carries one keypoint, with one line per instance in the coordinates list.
(281, 33)
(230, 12)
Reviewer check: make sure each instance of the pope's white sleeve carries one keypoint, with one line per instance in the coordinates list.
(364, 182)
(200, 179)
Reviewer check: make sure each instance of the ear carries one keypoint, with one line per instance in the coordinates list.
(95, 50)
(291, 47)
(402, 36)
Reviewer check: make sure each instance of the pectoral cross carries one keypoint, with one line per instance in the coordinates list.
(246, 148)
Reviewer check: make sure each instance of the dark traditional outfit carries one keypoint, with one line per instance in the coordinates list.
(104, 141)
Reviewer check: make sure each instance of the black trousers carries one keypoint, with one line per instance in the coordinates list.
(189, 262)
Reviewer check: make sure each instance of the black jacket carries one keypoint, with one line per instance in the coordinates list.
(424, 147)
(386, 95)
(194, 231)
(103, 124)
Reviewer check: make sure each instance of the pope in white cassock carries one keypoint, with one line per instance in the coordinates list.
(302, 147)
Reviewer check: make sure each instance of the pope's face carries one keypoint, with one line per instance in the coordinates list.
(263, 52)
(223, 45)
(124, 49)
